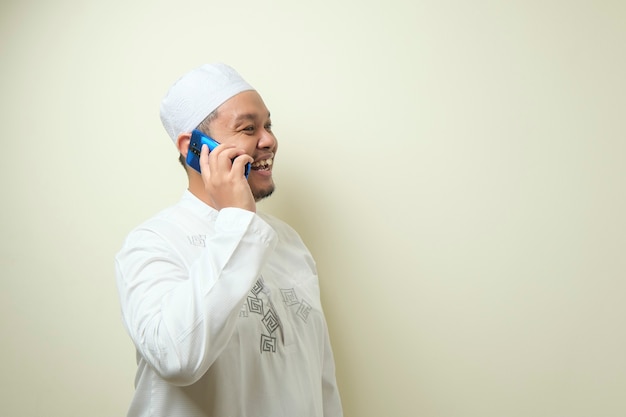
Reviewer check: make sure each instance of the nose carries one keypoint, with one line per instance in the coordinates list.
(267, 140)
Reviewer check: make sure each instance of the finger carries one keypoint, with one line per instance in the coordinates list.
(238, 158)
(222, 156)
(226, 154)
(213, 158)
(204, 158)
(240, 162)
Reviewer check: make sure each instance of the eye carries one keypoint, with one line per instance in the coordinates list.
(248, 129)
(268, 127)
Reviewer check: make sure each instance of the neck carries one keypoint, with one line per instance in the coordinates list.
(196, 187)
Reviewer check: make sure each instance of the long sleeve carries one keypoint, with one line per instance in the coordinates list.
(330, 391)
(180, 308)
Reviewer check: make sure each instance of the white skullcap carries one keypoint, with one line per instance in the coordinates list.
(196, 94)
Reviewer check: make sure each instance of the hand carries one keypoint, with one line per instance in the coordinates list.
(222, 172)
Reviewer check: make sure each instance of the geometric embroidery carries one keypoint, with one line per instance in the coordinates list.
(270, 321)
(270, 318)
(289, 296)
(197, 240)
(304, 310)
(258, 287)
(268, 344)
(255, 305)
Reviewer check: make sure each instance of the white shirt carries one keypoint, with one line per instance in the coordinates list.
(224, 310)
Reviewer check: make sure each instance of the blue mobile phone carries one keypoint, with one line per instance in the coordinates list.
(195, 146)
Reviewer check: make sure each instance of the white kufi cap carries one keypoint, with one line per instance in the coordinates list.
(196, 94)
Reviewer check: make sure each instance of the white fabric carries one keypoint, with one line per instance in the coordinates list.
(196, 94)
(224, 310)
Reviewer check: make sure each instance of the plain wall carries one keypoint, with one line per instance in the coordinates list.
(457, 169)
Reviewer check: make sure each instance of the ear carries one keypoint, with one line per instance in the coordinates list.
(182, 143)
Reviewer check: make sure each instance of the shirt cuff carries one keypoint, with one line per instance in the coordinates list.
(237, 220)
(232, 219)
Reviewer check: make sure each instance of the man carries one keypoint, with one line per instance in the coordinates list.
(222, 302)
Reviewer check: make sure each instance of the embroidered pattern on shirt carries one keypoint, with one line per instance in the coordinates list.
(197, 240)
(259, 303)
(290, 298)
(255, 304)
(303, 310)
(268, 344)
(270, 321)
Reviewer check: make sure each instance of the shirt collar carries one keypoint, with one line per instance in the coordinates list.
(196, 205)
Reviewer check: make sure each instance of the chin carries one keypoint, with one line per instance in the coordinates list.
(261, 193)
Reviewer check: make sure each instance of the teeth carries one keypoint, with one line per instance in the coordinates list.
(263, 163)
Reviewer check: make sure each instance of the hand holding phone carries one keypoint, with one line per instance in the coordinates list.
(223, 187)
(195, 147)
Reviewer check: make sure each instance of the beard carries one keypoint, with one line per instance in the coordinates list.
(260, 194)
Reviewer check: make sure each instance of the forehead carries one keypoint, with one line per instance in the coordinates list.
(243, 106)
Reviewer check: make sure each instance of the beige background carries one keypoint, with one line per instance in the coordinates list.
(457, 168)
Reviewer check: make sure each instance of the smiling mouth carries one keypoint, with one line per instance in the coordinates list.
(263, 164)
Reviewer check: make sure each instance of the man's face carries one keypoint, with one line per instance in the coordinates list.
(245, 121)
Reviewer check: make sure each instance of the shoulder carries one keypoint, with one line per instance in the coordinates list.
(282, 229)
(168, 227)
(290, 243)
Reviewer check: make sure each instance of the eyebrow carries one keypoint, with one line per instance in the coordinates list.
(247, 116)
